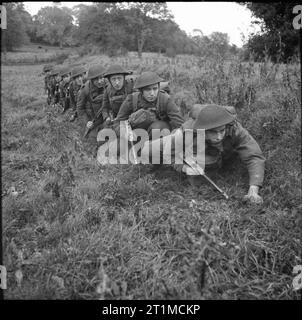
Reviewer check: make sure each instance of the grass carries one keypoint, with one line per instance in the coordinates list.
(75, 230)
(35, 54)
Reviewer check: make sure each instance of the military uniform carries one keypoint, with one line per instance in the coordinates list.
(74, 89)
(54, 87)
(163, 108)
(113, 98)
(237, 140)
(90, 97)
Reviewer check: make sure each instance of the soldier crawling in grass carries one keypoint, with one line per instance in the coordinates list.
(77, 81)
(224, 138)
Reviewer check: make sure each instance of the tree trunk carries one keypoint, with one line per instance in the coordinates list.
(61, 43)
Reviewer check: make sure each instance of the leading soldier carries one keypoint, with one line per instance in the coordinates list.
(224, 137)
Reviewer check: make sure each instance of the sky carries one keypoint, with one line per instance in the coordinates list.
(227, 17)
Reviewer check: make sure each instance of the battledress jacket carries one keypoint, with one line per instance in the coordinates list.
(64, 92)
(113, 99)
(90, 99)
(73, 91)
(167, 110)
(238, 140)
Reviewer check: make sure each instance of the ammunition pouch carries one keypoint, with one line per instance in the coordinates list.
(142, 118)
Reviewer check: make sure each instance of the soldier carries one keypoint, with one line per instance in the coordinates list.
(64, 88)
(150, 108)
(56, 79)
(224, 137)
(90, 97)
(116, 92)
(47, 81)
(77, 75)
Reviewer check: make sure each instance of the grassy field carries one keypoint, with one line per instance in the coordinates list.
(75, 230)
(34, 54)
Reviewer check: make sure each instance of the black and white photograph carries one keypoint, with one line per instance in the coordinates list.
(151, 151)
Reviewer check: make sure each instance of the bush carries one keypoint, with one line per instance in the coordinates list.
(171, 52)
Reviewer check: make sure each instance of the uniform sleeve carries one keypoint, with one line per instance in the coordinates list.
(72, 97)
(173, 112)
(250, 153)
(105, 104)
(81, 104)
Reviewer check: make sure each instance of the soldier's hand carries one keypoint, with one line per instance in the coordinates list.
(253, 196)
(89, 124)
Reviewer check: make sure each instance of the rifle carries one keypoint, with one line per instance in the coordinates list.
(196, 167)
(96, 122)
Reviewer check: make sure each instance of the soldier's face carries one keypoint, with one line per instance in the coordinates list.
(150, 92)
(98, 82)
(58, 78)
(215, 136)
(66, 78)
(117, 81)
(47, 73)
(79, 80)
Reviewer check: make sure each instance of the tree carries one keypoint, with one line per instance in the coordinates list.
(54, 24)
(138, 16)
(15, 34)
(278, 37)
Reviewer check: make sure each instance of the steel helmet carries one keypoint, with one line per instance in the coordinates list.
(95, 71)
(55, 71)
(212, 116)
(64, 71)
(146, 79)
(76, 71)
(116, 69)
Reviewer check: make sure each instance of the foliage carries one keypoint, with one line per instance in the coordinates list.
(54, 24)
(15, 35)
(278, 39)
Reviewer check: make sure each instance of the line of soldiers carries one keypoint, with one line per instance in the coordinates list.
(102, 98)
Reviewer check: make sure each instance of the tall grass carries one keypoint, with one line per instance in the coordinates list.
(77, 230)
